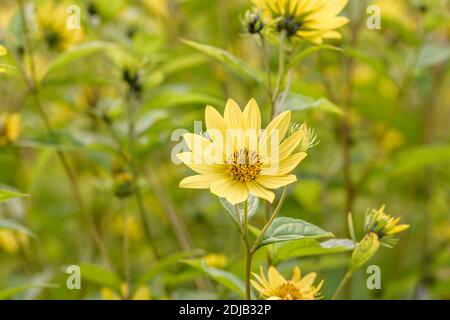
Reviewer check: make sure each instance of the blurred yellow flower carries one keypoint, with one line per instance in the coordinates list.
(2, 53)
(276, 287)
(384, 226)
(11, 241)
(216, 260)
(135, 231)
(141, 293)
(52, 27)
(236, 158)
(10, 127)
(313, 20)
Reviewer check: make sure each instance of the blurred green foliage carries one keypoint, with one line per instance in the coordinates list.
(398, 109)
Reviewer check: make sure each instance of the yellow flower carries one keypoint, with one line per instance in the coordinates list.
(141, 293)
(134, 228)
(384, 226)
(2, 53)
(12, 241)
(313, 20)
(236, 158)
(276, 287)
(10, 127)
(53, 29)
(216, 260)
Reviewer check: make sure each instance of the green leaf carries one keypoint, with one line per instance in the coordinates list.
(76, 53)
(100, 276)
(310, 247)
(8, 194)
(309, 51)
(253, 203)
(177, 98)
(298, 102)
(15, 226)
(414, 159)
(165, 263)
(148, 119)
(432, 55)
(56, 140)
(227, 279)
(11, 292)
(287, 229)
(229, 59)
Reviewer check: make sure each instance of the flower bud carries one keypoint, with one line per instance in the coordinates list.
(253, 21)
(364, 250)
(123, 185)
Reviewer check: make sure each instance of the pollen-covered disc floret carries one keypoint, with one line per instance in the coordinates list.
(235, 158)
(276, 287)
(244, 165)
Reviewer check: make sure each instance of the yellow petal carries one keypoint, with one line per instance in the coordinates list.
(233, 115)
(275, 278)
(234, 191)
(189, 159)
(275, 182)
(252, 116)
(398, 229)
(274, 133)
(296, 274)
(199, 181)
(288, 164)
(258, 191)
(307, 281)
(215, 124)
(291, 143)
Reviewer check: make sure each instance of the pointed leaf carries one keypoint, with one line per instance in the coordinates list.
(287, 229)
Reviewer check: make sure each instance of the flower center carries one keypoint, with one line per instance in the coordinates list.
(244, 165)
(288, 291)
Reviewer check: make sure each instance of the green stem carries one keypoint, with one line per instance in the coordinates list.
(267, 225)
(126, 253)
(344, 281)
(268, 73)
(280, 68)
(248, 252)
(135, 173)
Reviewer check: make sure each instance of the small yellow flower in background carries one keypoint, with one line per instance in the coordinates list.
(313, 20)
(52, 27)
(10, 127)
(236, 158)
(2, 53)
(216, 260)
(384, 226)
(11, 241)
(135, 231)
(141, 293)
(276, 287)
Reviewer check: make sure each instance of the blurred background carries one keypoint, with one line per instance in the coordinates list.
(390, 144)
